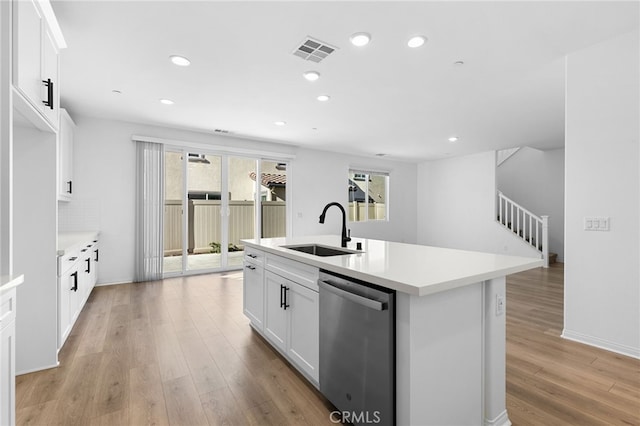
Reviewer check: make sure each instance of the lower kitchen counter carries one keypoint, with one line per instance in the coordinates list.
(69, 241)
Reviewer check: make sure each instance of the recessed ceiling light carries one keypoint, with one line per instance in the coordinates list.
(311, 75)
(280, 123)
(380, 154)
(453, 139)
(166, 101)
(360, 39)
(323, 98)
(180, 60)
(117, 92)
(458, 63)
(416, 41)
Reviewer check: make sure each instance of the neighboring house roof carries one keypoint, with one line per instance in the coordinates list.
(270, 179)
(356, 193)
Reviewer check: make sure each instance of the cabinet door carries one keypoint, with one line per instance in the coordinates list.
(27, 39)
(253, 294)
(73, 289)
(95, 250)
(50, 72)
(275, 318)
(8, 373)
(84, 270)
(303, 348)
(65, 156)
(65, 283)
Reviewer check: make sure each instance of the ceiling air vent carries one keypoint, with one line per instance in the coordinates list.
(313, 50)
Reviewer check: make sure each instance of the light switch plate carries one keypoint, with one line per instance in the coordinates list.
(596, 223)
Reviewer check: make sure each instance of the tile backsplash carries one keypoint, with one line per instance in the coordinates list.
(79, 215)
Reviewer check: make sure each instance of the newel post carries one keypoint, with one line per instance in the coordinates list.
(545, 240)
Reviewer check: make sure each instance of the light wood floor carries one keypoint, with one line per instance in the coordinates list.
(553, 381)
(180, 352)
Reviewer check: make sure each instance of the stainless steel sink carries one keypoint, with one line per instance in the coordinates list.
(319, 250)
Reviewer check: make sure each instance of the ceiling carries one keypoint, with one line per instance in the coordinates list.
(386, 98)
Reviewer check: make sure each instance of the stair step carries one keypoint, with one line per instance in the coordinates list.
(553, 257)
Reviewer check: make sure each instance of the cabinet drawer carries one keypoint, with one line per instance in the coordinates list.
(7, 307)
(254, 256)
(67, 261)
(305, 275)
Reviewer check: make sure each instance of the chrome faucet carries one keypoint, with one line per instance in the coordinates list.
(345, 237)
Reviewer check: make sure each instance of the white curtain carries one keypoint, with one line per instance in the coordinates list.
(149, 211)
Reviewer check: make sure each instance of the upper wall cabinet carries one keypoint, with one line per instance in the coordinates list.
(65, 156)
(35, 60)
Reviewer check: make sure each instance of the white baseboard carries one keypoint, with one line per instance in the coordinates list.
(113, 283)
(501, 420)
(33, 370)
(601, 343)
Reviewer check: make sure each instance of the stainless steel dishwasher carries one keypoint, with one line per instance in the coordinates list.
(357, 349)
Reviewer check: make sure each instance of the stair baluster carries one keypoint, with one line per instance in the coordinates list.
(516, 218)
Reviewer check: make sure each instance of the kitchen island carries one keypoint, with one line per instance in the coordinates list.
(450, 319)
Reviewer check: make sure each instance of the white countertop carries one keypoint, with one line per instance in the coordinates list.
(9, 281)
(68, 241)
(409, 268)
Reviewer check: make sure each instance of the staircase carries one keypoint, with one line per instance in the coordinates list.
(505, 154)
(532, 229)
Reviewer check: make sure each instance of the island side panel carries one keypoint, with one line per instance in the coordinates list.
(439, 357)
(495, 412)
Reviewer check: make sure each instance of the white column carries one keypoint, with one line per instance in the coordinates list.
(545, 240)
(6, 142)
(494, 343)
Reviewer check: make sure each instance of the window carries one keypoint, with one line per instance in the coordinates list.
(368, 196)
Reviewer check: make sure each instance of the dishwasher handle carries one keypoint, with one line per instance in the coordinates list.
(356, 298)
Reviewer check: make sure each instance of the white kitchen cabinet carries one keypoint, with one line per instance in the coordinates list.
(27, 52)
(68, 297)
(7, 356)
(84, 270)
(253, 290)
(292, 322)
(50, 74)
(96, 262)
(65, 156)
(77, 276)
(276, 318)
(35, 60)
(281, 299)
(304, 326)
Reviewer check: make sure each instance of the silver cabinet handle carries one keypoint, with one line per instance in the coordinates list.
(253, 268)
(356, 298)
(253, 256)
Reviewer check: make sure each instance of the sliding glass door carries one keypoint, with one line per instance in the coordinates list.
(210, 206)
(204, 217)
(242, 211)
(172, 219)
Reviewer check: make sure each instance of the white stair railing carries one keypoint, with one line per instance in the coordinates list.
(532, 229)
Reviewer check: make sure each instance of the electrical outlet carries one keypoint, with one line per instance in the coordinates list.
(499, 304)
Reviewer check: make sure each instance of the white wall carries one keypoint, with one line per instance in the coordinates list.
(104, 189)
(535, 180)
(34, 248)
(602, 276)
(322, 177)
(457, 206)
